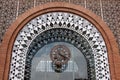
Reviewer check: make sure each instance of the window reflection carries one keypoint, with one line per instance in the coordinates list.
(72, 67)
(42, 67)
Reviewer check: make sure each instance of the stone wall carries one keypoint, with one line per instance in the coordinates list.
(108, 10)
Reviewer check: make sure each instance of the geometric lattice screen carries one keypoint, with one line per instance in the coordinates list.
(59, 20)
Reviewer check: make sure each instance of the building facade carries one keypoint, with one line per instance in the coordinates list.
(60, 40)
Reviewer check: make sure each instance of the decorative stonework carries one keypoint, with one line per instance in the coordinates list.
(39, 2)
(25, 5)
(7, 15)
(94, 6)
(110, 9)
(78, 2)
(61, 35)
(111, 14)
(59, 0)
(67, 21)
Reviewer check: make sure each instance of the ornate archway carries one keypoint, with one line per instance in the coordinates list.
(89, 30)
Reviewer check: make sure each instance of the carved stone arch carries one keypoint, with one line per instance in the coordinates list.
(6, 47)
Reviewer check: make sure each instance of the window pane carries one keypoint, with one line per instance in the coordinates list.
(42, 68)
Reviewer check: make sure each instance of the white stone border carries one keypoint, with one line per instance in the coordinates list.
(43, 23)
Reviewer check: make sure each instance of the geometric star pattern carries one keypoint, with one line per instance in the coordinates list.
(55, 20)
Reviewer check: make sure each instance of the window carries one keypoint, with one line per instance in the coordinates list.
(76, 68)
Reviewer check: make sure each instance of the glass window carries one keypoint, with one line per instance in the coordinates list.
(42, 67)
